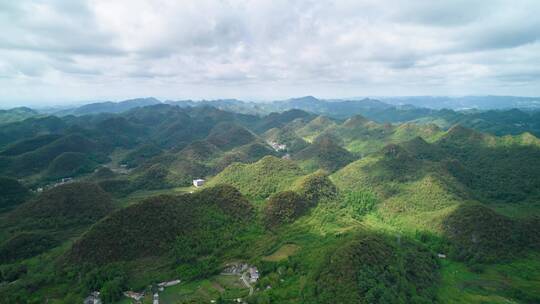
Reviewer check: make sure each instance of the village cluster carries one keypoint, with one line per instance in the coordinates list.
(248, 275)
(94, 297)
(277, 146)
(63, 181)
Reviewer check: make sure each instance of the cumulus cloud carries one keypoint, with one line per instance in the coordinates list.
(62, 50)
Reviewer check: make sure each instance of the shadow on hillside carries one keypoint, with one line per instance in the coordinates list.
(480, 235)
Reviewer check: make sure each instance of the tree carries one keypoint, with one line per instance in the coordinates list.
(112, 290)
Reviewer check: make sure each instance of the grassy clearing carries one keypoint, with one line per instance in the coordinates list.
(514, 282)
(282, 253)
(228, 287)
(142, 194)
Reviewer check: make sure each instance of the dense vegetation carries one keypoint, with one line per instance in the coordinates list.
(25, 245)
(226, 136)
(11, 193)
(481, 235)
(373, 269)
(16, 114)
(27, 145)
(69, 164)
(284, 207)
(261, 179)
(64, 206)
(316, 187)
(40, 158)
(138, 156)
(331, 206)
(153, 227)
(325, 154)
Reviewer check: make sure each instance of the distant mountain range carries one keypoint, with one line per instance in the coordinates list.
(338, 108)
(109, 107)
(466, 102)
(496, 114)
(16, 114)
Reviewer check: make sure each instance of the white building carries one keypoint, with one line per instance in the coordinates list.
(66, 180)
(198, 182)
(137, 296)
(169, 283)
(253, 274)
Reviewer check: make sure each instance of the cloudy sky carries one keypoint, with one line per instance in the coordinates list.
(67, 51)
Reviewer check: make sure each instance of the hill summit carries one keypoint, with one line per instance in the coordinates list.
(260, 179)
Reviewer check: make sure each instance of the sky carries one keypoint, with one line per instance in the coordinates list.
(66, 52)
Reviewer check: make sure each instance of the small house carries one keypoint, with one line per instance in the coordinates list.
(235, 268)
(253, 274)
(198, 182)
(137, 296)
(66, 180)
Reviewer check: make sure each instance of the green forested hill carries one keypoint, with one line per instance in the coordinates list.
(433, 186)
(226, 136)
(16, 114)
(360, 135)
(315, 127)
(68, 205)
(153, 226)
(405, 273)
(27, 145)
(70, 164)
(324, 153)
(31, 127)
(286, 136)
(39, 159)
(261, 179)
(12, 193)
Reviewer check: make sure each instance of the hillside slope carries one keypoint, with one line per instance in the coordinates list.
(156, 225)
(65, 206)
(324, 153)
(261, 179)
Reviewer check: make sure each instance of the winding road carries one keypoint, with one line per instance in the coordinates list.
(243, 277)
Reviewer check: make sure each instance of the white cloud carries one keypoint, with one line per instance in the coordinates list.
(58, 50)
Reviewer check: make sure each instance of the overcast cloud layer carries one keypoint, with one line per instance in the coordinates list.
(59, 51)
